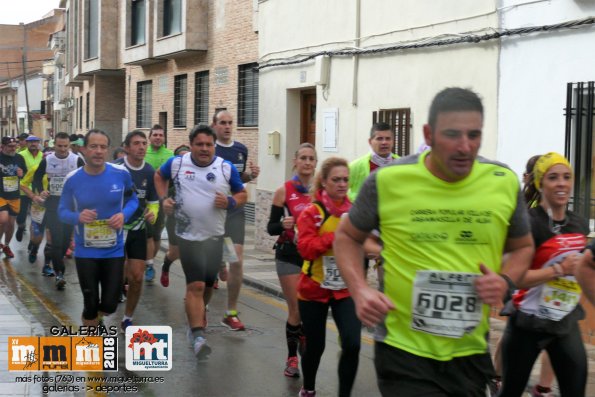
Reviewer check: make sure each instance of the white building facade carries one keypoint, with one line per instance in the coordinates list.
(333, 101)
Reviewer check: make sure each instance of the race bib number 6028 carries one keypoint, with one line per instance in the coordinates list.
(445, 303)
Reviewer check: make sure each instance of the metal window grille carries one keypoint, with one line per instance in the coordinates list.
(87, 110)
(580, 122)
(400, 123)
(138, 22)
(201, 97)
(144, 99)
(80, 112)
(180, 100)
(248, 95)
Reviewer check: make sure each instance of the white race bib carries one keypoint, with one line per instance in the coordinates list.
(445, 303)
(56, 185)
(99, 235)
(558, 298)
(37, 212)
(332, 277)
(11, 183)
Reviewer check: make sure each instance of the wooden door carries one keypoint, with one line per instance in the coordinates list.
(308, 127)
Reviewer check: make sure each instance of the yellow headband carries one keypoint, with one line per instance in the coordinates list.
(546, 162)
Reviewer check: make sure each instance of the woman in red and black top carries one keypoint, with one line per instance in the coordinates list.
(320, 286)
(547, 306)
(288, 203)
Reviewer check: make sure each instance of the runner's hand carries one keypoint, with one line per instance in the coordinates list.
(371, 306)
(221, 200)
(149, 216)
(169, 205)
(490, 287)
(570, 263)
(254, 170)
(288, 222)
(87, 216)
(116, 221)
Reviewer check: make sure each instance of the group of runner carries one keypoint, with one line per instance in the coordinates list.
(452, 227)
(455, 238)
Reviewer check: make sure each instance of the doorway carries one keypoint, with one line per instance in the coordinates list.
(308, 117)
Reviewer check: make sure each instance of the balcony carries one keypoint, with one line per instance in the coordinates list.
(99, 42)
(180, 28)
(136, 36)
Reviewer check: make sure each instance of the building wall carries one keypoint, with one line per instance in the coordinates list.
(232, 41)
(534, 71)
(405, 79)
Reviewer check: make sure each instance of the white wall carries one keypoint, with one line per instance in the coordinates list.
(534, 72)
(391, 80)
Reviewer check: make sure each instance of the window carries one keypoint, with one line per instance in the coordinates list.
(201, 97)
(80, 102)
(75, 33)
(92, 29)
(248, 95)
(180, 100)
(138, 21)
(400, 123)
(144, 97)
(87, 110)
(172, 17)
(579, 145)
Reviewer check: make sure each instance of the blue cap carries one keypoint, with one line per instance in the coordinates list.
(32, 138)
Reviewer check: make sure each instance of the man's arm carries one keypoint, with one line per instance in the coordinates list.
(371, 305)
(492, 287)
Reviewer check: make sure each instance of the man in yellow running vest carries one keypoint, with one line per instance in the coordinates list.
(445, 218)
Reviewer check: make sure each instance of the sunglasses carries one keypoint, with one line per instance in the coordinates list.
(338, 179)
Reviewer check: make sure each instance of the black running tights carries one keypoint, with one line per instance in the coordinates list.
(314, 316)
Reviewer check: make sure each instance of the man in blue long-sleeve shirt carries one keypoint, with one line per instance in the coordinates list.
(98, 199)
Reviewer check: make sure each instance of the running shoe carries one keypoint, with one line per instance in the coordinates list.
(223, 273)
(60, 282)
(291, 368)
(48, 271)
(19, 234)
(125, 324)
(536, 393)
(164, 278)
(33, 255)
(149, 273)
(8, 252)
(232, 322)
(201, 348)
(307, 393)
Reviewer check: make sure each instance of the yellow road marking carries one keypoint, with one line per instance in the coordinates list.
(54, 310)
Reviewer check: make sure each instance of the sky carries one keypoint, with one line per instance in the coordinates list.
(15, 11)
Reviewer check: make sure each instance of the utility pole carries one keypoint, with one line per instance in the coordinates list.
(24, 59)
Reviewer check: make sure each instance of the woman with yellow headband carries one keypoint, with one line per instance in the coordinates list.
(548, 311)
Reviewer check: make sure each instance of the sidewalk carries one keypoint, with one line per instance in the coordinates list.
(15, 320)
